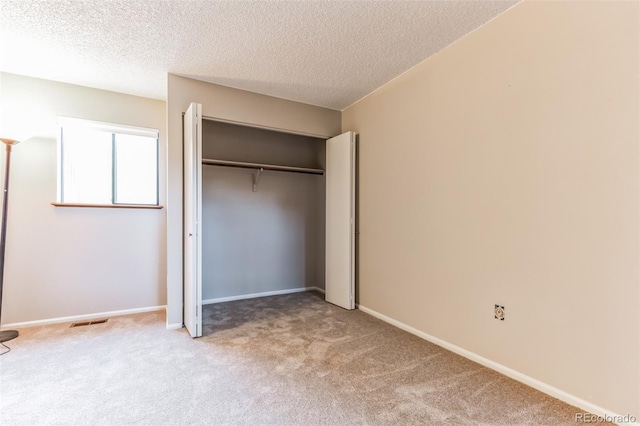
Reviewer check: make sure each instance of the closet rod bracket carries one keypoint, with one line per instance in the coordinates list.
(256, 177)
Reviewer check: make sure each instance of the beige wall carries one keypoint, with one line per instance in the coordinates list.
(229, 104)
(74, 261)
(505, 170)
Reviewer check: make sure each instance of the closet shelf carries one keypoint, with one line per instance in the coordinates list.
(259, 166)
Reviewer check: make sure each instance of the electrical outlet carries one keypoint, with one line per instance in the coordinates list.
(498, 312)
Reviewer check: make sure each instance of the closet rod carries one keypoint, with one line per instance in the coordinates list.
(259, 166)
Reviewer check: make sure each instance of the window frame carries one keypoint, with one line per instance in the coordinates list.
(114, 129)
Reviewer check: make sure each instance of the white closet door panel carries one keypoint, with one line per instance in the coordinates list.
(192, 223)
(340, 221)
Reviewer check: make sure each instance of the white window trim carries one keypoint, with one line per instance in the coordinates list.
(108, 127)
(105, 127)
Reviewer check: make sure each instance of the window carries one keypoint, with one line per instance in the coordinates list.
(103, 163)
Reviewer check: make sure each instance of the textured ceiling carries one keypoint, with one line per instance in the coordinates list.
(327, 53)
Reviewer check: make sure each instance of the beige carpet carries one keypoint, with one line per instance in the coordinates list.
(283, 360)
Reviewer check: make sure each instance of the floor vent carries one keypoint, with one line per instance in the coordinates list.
(80, 324)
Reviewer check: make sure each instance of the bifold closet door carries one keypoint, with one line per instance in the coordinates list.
(192, 224)
(340, 220)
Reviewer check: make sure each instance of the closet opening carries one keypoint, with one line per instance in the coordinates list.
(263, 213)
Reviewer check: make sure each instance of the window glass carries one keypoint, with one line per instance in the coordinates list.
(86, 166)
(136, 170)
(102, 163)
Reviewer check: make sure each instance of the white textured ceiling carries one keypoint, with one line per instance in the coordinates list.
(327, 53)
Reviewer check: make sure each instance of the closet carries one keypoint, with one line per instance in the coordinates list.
(265, 212)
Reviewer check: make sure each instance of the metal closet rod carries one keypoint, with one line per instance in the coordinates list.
(259, 166)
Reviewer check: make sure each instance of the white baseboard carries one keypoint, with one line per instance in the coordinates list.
(509, 372)
(263, 294)
(174, 326)
(74, 318)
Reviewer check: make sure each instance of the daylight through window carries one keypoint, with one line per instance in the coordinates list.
(103, 163)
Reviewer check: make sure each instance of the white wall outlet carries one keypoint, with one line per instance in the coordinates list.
(498, 312)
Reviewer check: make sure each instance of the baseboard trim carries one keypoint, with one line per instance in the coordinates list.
(263, 294)
(174, 326)
(83, 317)
(509, 372)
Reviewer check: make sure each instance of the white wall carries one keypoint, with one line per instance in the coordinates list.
(505, 170)
(74, 261)
(256, 242)
(228, 104)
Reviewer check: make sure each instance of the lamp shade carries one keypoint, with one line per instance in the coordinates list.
(8, 141)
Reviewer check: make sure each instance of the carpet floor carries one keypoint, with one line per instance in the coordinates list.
(282, 360)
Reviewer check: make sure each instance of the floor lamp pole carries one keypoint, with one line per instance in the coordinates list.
(6, 334)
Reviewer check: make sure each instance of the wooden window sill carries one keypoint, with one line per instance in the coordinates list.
(108, 206)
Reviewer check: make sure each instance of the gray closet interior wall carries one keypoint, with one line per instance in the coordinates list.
(264, 241)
